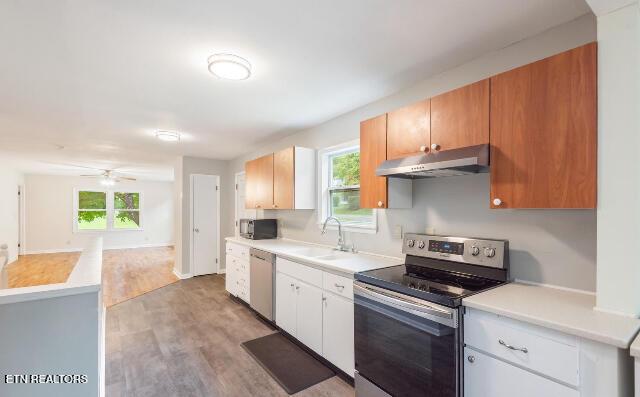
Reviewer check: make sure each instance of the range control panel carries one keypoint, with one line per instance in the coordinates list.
(475, 251)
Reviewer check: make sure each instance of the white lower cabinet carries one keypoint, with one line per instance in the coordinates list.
(309, 316)
(337, 332)
(286, 303)
(486, 376)
(508, 357)
(237, 272)
(231, 276)
(320, 318)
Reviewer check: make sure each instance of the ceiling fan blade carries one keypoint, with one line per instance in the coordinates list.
(92, 176)
(127, 178)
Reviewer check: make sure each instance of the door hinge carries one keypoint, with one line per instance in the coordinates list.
(216, 260)
(236, 223)
(236, 186)
(217, 187)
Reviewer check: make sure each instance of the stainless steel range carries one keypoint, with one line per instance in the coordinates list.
(408, 318)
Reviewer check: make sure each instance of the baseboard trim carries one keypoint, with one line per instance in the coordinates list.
(118, 247)
(182, 276)
(52, 251)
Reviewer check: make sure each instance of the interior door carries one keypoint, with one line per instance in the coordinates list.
(205, 239)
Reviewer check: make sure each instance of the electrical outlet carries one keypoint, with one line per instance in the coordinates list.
(397, 232)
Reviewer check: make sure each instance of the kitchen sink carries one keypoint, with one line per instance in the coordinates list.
(313, 252)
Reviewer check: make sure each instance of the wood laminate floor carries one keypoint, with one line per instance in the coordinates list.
(126, 273)
(184, 340)
(40, 269)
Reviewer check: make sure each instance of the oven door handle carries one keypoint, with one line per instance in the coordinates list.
(397, 301)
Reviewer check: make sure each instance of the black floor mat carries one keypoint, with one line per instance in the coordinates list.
(293, 368)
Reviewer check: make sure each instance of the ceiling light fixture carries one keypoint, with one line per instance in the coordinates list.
(229, 66)
(168, 136)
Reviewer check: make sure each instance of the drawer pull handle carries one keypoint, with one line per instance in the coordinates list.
(340, 287)
(508, 346)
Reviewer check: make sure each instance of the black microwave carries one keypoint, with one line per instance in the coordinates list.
(258, 229)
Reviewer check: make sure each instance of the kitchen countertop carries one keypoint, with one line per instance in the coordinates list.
(86, 276)
(562, 310)
(635, 347)
(345, 262)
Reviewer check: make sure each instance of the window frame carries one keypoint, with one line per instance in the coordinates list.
(325, 188)
(113, 205)
(110, 210)
(77, 209)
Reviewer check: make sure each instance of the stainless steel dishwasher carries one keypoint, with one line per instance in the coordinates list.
(262, 283)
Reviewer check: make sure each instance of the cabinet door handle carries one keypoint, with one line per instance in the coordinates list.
(424, 148)
(497, 202)
(297, 287)
(471, 359)
(508, 346)
(340, 287)
(380, 203)
(292, 284)
(435, 146)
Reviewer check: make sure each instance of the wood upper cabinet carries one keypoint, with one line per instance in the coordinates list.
(283, 178)
(251, 184)
(377, 191)
(373, 151)
(544, 133)
(259, 182)
(408, 130)
(460, 117)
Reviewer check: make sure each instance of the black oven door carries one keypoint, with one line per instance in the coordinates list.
(404, 346)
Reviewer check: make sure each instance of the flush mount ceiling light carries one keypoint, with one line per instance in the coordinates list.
(168, 136)
(229, 66)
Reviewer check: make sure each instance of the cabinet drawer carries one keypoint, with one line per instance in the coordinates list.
(547, 352)
(238, 250)
(304, 273)
(339, 285)
(486, 376)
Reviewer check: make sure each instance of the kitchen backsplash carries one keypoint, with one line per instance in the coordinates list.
(555, 247)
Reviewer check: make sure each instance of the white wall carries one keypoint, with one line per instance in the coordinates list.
(184, 168)
(9, 220)
(52, 336)
(548, 246)
(49, 205)
(618, 168)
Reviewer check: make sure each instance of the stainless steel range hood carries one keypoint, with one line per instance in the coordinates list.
(463, 161)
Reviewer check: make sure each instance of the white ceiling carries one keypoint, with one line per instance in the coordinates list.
(88, 81)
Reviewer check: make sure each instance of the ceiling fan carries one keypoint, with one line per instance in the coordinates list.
(109, 177)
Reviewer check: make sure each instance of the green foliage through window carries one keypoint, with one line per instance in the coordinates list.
(344, 192)
(93, 211)
(345, 169)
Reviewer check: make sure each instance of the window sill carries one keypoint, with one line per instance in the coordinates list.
(352, 229)
(107, 231)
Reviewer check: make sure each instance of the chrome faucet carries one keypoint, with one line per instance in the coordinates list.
(342, 246)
